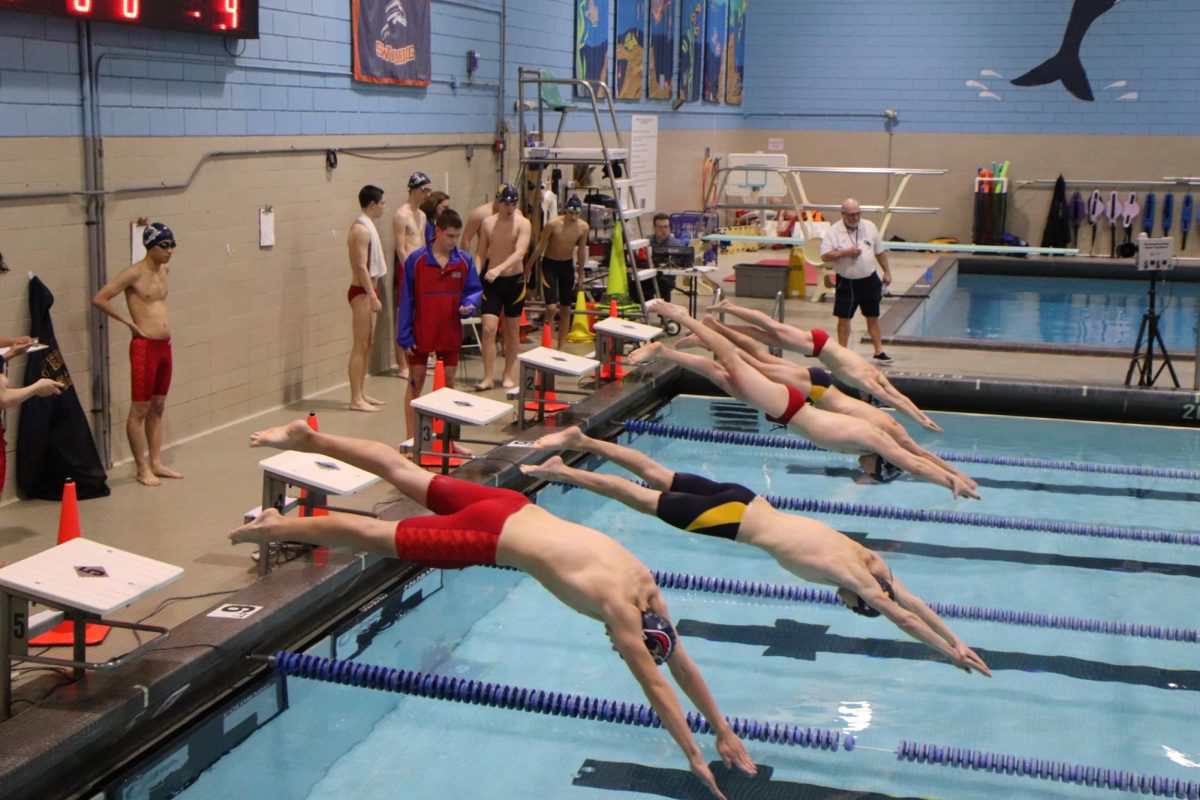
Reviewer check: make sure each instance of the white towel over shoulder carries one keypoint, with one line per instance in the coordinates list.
(376, 264)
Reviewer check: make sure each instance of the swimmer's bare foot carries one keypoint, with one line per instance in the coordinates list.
(363, 405)
(569, 439)
(509, 383)
(689, 342)
(295, 435)
(646, 354)
(552, 468)
(266, 528)
(484, 386)
(146, 477)
(163, 471)
(373, 401)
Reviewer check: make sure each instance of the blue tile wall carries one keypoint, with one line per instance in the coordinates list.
(809, 65)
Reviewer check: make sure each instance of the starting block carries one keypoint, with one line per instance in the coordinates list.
(454, 409)
(539, 367)
(86, 581)
(318, 475)
(612, 334)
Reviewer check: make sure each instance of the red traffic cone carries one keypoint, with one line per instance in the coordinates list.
(524, 326)
(439, 382)
(68, 514)
(547, 336)
(612, 307)
(319, 511)
(68, 529)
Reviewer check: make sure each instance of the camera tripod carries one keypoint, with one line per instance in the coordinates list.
(1143, 363)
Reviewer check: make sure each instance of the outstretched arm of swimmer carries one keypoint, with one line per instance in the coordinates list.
(914, 624)
(103, 298)
(864, 376)
(627, 639)
(964, 657)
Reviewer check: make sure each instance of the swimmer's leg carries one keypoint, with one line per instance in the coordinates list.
(636, 462)
(639, 498)
(373, 457)
(338, 530)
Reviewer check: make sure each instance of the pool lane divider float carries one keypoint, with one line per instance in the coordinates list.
(559, 704)
(807, 594)
(796, 443)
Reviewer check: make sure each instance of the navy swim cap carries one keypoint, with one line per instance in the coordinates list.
(154, 233)
(885, 471)
(574, 203)
(659, 635)
(417, 180)
(507, 193)
(864, 609)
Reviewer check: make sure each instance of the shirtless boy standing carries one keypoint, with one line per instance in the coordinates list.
(408, 226)
(145, 288)
(503, 242)
(563, 250)
(367, 265)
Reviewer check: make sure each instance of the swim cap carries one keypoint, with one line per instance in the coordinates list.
(156, 232)
(417, 180)
(574, 204)
(507, 193)
(659, 635)
(885, 471)
(863, 609)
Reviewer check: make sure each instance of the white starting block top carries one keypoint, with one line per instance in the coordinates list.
(322, 473)
(468, 409)
(637, 331)
(88, 576)
(558, 362)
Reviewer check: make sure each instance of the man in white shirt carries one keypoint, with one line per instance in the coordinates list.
(853, 248)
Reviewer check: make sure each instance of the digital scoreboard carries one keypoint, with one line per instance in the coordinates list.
(227, 17)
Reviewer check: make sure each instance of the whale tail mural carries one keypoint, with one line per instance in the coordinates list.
(1065, 65)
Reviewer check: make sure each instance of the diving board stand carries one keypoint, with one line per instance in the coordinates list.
(318, 475)
(85, 581)
(539, 367)
(612, 334)
(452, 409)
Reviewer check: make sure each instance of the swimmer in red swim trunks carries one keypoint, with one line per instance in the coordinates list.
(810, 550)
(145, 288)
(474, 524)
(367, 266)
(785, 404)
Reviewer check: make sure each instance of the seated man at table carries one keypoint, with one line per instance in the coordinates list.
(474, 524)
(662, 237)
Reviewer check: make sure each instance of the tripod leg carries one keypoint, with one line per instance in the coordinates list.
(1166, 358)
(1136, 361)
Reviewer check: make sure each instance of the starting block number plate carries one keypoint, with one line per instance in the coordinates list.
(234, 611)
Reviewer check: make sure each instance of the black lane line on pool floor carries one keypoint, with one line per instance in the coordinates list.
(1022, 557)
(804, 641)
(683, 785)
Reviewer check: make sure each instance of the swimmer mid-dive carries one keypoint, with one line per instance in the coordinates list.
(474, 524)
(849, 367)
(816, 384)
(785, 405)
(808, 549)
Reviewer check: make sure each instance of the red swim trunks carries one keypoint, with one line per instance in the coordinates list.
(795, 402)
(449, 357)
(820, 337)
(355, 290)
(466, 530)
(149, 367)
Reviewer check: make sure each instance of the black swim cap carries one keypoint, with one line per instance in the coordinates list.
(154, 233)
(507, 193)
(417, 180)
(864, 609)
(659, 636)
(574, 203)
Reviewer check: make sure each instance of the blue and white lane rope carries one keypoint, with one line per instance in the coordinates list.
(540, 701)
(807, 594)
(796, 443)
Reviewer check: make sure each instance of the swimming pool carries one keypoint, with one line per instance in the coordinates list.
(1090, 698)
(1084, 309)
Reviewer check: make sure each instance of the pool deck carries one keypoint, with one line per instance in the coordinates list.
(186, 522)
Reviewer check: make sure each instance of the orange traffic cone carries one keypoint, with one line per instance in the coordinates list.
(613, 371)
(525, 327)
(439, 382)
(319, 511)
(68, 529)
(549, 399)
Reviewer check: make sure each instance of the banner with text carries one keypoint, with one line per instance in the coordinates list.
(391, 41)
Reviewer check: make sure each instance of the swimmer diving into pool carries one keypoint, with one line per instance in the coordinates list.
(808, 549)
(785, 404)
(474, 524)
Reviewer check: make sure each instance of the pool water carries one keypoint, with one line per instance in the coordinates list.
(1071, 311)
(1087, 698)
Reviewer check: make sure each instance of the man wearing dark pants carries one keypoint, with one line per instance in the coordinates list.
(853, 248)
